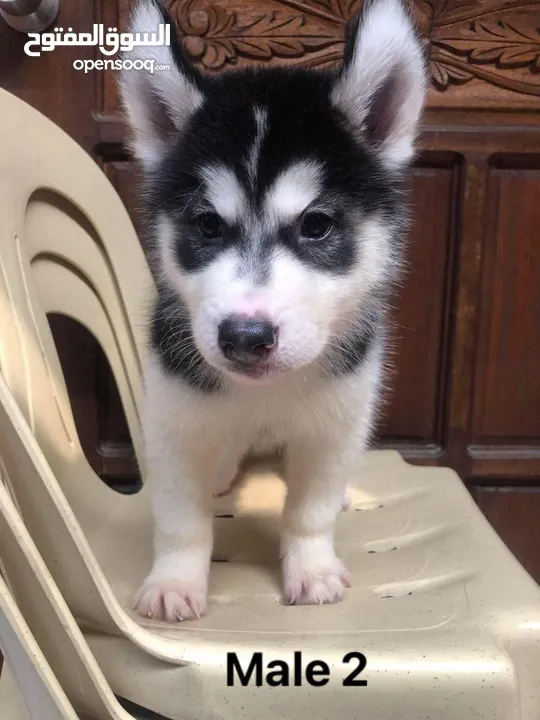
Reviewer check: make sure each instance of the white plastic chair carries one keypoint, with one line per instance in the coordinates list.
(438, 603)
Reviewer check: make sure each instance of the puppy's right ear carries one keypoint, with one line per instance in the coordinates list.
(158, 101)
(381, 85)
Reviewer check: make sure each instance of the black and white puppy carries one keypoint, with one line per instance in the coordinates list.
(275, 201)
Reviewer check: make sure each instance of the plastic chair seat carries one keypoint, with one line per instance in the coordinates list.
(446, 618)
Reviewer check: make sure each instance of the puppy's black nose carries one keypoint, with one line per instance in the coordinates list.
(246, 340)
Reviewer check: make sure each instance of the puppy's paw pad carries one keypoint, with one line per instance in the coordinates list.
(317, 587)
(171, 600)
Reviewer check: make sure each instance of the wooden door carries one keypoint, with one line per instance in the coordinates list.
(466, 387)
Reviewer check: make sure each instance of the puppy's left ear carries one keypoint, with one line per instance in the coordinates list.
(161, 96)
(381, 85)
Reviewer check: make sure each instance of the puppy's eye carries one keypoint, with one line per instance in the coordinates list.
(316, 225)
(210, 225)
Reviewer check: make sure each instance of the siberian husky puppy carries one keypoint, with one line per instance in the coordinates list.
(275, 202)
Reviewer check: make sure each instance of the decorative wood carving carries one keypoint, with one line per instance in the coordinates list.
(488, 40)
(494, 41)
(216, 35)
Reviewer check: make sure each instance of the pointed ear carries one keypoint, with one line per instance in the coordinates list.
(157, 101)
(381, 85)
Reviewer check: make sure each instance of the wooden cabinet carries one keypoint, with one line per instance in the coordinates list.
(465, 390)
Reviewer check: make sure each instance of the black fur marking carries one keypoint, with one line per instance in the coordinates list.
(172, 339)
(335, 253)
(347, 352)
(302, 125)
(351, 34)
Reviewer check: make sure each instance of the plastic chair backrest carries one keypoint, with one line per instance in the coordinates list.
(57, 635)
(38, 686)
(67, 246)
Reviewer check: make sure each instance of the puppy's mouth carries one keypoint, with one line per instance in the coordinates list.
(257, 372)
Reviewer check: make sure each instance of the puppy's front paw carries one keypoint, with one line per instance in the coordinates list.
(171, 600)
(313, 583)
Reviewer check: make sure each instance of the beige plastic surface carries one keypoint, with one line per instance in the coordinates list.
(11, 703)
(45, 628)
(28, 688)
(448, 620)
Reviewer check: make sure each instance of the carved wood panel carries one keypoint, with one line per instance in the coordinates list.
(493, 41)
(480, 53)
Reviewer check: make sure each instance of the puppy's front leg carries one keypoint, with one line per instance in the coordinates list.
(185, 455)
(181, 478)
(316, 475)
